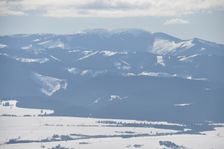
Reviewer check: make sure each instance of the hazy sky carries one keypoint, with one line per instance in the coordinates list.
(182, 18)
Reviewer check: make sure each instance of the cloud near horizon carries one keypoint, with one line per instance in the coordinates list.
(107, 8)
(176, 21)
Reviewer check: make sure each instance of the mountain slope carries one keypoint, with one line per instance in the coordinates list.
(118, 74)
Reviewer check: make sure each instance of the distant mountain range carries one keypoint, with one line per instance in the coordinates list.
(131, 74)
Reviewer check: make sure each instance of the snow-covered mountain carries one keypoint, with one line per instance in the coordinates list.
(115, 74)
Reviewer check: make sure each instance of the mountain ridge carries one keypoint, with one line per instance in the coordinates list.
(90, 74)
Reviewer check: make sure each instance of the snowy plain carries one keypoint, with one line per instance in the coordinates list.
(25, 128)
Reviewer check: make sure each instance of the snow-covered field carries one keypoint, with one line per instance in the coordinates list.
(35, 131)
(9, 108)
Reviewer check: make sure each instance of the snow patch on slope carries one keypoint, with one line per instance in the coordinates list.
(55, 58)
(50, 85)
(57, 45)
(97, 100)
(122, 65)
(187, 44)
(108, 53)
(44, 42)
(186, 58)
(27, 47)
(116, 97)
(164, 75)
(160, 60)
(198, 79)
(73, 51)
(84, 72)
(32, 60)
(2, 46)
(73, 70)
(52, 44)
(36, 40)
(162, 47)
(26, 60)
(88, 55)
(151, 74)
(182, 104)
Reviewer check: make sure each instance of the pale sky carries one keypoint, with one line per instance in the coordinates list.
(182, 18)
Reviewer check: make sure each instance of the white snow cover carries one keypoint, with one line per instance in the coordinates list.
(187, 44)
(160, 60)
(116, 97)
(162, 47)
(73, 70)
(108, 53)
(97, 100)
(73, 51)
(163, 74)
(122, 65)
(192, 78)
(50, 85)
(84, 72)
(27, 60)
(2, 46)
(124, 52)
(4, 54)
(27, 47)
(11, 103)
(32, 60)
(37, 128)
(57, 45)
(130, 74)
(46, 127)
(202, 49)
(52, 44)
(8, 107)
(88, 55)
(186, 58)
(44, 42)
(182, 104)
(86, 52)
(36, 40)
(124, 62)
(55, 58)
(150, 74)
